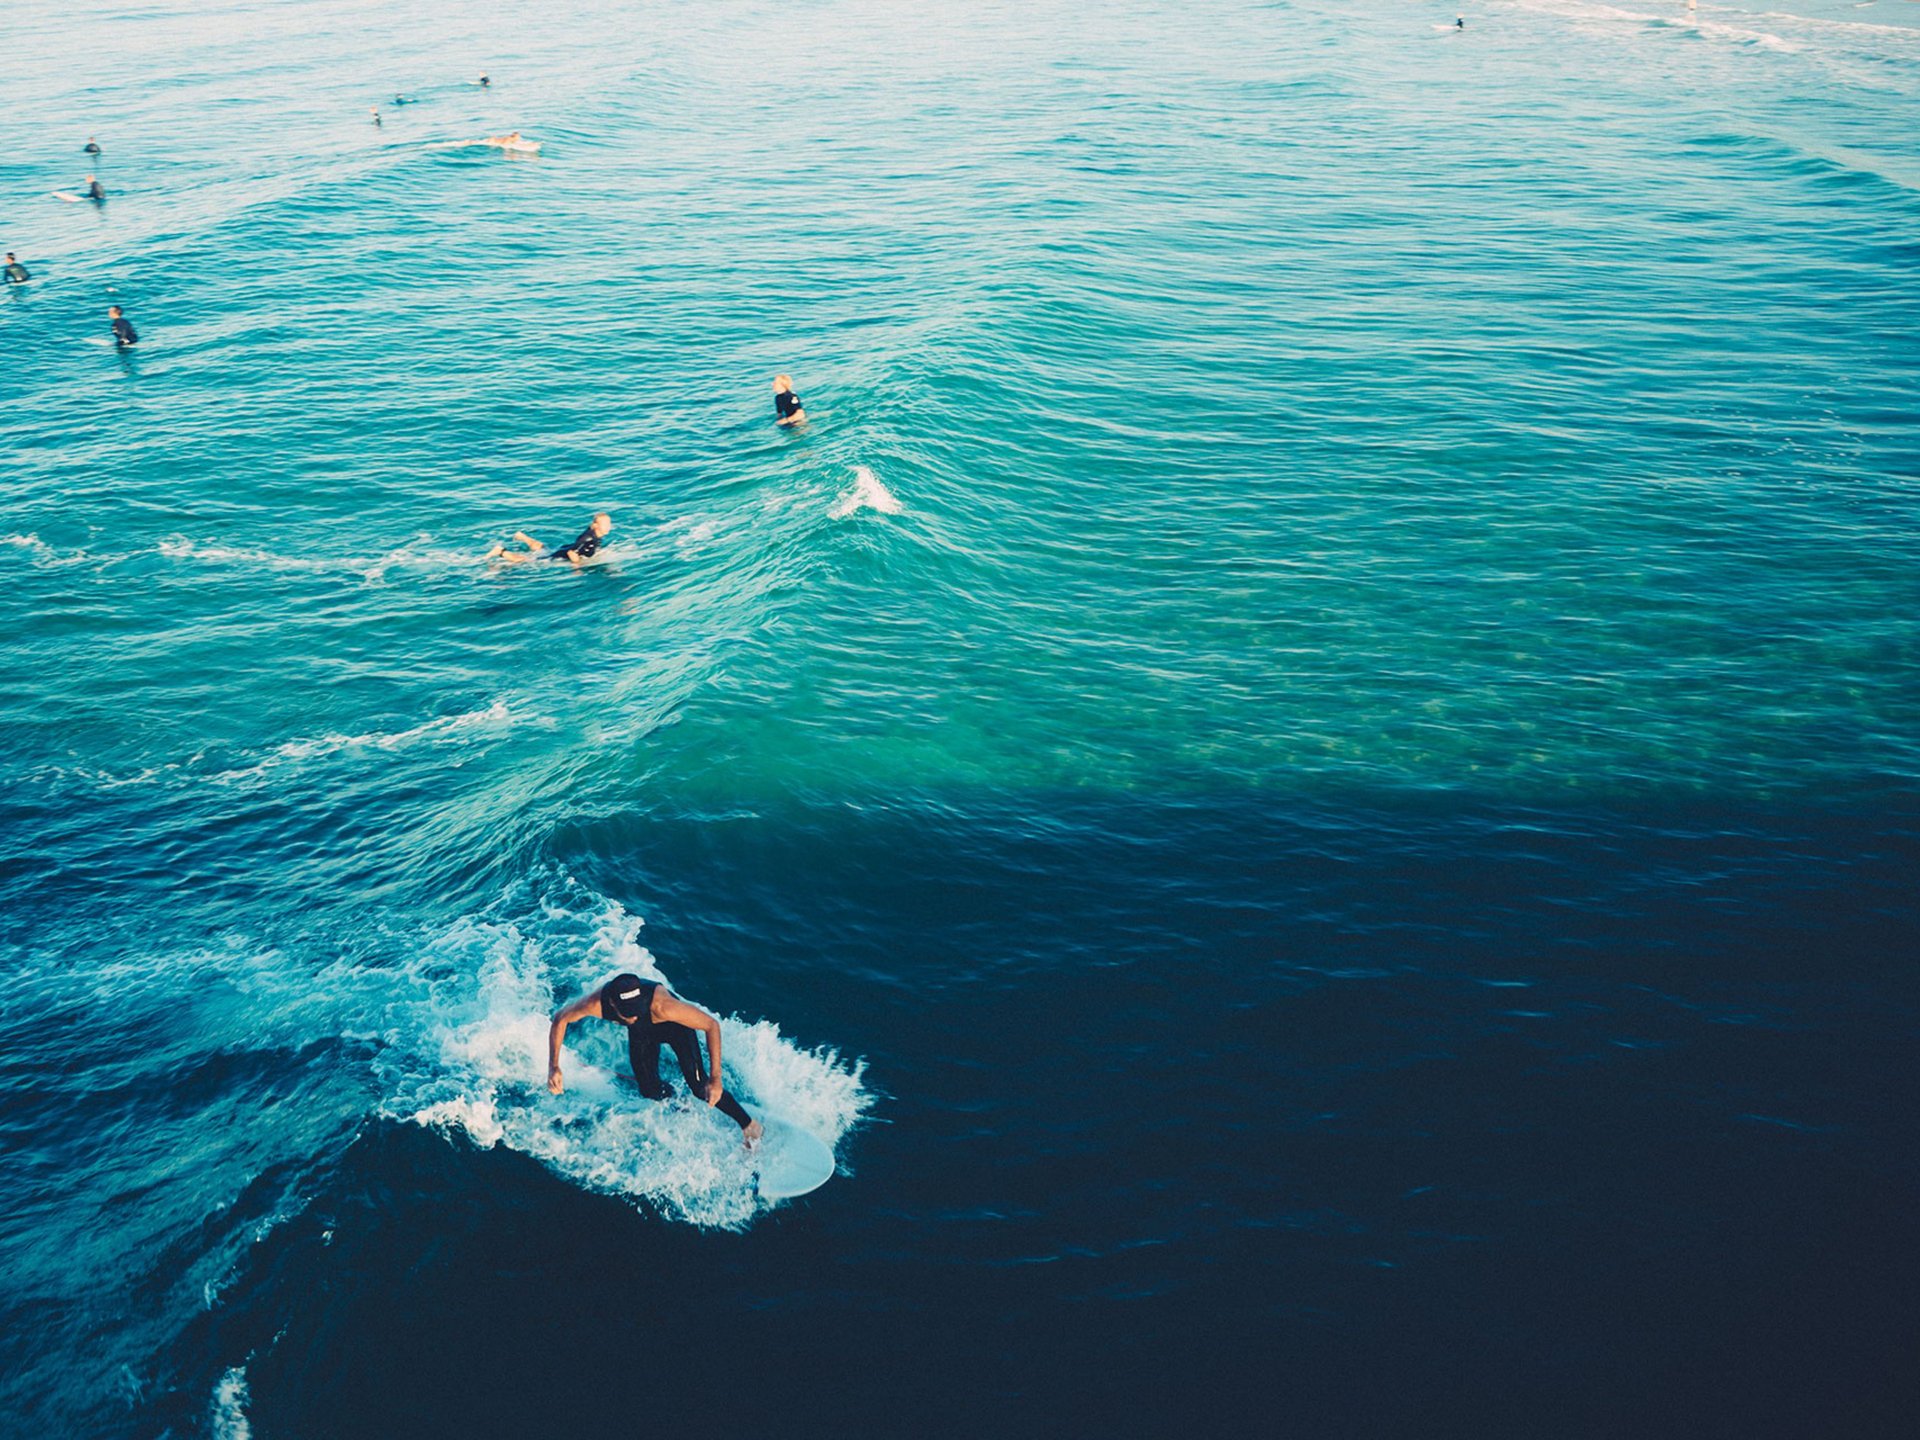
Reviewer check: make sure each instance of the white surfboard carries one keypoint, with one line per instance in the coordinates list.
(66, 195)
(790, 1161)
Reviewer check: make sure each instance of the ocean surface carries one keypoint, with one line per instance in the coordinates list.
(1310, 767)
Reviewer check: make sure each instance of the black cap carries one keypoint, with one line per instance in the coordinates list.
(624, 997)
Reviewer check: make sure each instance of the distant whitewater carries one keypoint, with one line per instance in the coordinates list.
(867, 494)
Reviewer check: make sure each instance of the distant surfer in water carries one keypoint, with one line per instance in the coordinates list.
(483, 80)
(511, 141)
(17, 274)
(95, 191)
(376, 116)
(92, 147)
(787, 409)
(577, 551)
(124, 335)
(653, 1017)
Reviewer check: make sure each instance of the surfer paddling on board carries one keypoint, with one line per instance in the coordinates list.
(653, 1017)
(576, 551)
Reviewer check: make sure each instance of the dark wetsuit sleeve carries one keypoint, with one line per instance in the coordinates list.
(585, 544)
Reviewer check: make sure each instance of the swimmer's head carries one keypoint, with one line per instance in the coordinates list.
(602, 523)
(623, 999)
(782, 384)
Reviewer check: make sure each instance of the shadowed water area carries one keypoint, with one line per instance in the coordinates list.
(1308, 767)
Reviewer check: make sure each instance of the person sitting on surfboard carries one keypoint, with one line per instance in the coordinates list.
(95, 190)
(653, 1017)
(17, 274)
(124, 335)
(577, 551)
(787, 409)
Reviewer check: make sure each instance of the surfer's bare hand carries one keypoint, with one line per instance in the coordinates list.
(554, 1082)
(713, 1090)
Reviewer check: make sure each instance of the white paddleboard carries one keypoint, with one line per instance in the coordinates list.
(790, 1161)
(66, 195)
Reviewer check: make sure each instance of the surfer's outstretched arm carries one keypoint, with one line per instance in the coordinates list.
(670, 1008)
(587, 1007)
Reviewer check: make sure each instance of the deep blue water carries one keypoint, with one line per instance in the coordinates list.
(1308, 767)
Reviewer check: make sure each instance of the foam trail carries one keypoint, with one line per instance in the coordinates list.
(867, 494)
(370, 568)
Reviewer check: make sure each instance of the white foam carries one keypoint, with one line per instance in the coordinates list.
(472, 1058)
(38, 552)
(445, 729)
(369, 568)
(867, 494)
(1707, 29)
(230, 1406)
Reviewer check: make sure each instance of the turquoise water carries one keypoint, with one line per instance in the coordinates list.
(1292, 490)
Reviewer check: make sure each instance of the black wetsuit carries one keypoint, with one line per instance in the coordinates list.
(17, 273)
(644, 1039)
(94, 192)
(123, 331)
(786, 403)
(91, 148)
(585, 544)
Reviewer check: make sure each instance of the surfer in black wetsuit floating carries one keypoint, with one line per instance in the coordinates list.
(576, 551)
(95, 191)
(17, 274)
(653, 1017)
(124, 335)
(787, 409)
(92, 147)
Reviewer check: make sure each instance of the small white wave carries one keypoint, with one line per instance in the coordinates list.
(473, 1060)
(230, 1406)
(867, 494)
(446, 726)
(439, 731)
(1580, 10)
